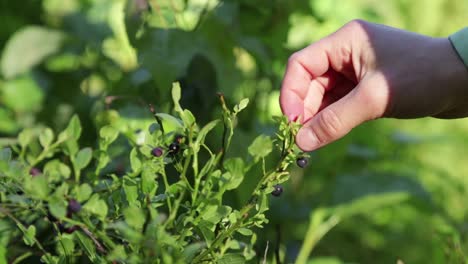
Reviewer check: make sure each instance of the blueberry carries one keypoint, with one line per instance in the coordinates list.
(71, 229)
(73, 206)
(302, 162)
(278, 190)
(67, 230)
(174, 148)
(35, 171)
(157, 152)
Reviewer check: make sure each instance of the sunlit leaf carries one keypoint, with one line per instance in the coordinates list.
(27, 48)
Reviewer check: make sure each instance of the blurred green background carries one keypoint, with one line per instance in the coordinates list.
(107, 59)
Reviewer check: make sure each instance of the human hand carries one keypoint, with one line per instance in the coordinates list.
(366, 71)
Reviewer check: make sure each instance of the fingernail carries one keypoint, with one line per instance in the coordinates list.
(306, 139)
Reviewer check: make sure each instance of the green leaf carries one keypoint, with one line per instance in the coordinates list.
(58, 207)
(130, 187)
(245, 231)
(135, 162)
(261, 147)
(108, 134)
(37, 187)
(83, 157)
(87, 244)
(8, 124)
(188, 118)
(232, 258)
(29, 235)
(72, 131)
(3, 258)
(56, 170)
(118, 254)
(207, 230)
(214, 213)
(25, 137)
(134, 217)
(202, 134)
(71, 147)
(25, 88)
(49, 259)
(262, 203)
(66, 245)
(242, 105)
(28, 47)
(176, 95)
(236, 169)
(191, 250)
(46, 137)
(96, 206)
(83, 192)
(170, 123)
(119, 48)
(148, 180)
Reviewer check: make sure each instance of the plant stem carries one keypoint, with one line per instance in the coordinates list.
(223, 235)
(313, 236)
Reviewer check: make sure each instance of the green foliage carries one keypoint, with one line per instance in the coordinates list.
(131, 216)
(390, 190)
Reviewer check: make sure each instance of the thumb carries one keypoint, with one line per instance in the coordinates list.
(337, 119)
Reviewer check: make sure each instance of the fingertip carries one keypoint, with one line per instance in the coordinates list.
(306, 139)
(291, 105)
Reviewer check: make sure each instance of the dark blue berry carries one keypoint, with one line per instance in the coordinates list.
(157, 152)
(277, 190)
(174, 148)
(35, 171)
(73, 206)
(302, 162)
(71, 229)
(67, 230)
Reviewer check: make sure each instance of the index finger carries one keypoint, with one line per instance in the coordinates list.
(303, 67)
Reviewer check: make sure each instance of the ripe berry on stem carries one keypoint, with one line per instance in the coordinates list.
(302, 162)
(34, 171)
(174, 148)
(277, 191)
(71, 229)
(73, 206)
(157, 152)
(67, 230)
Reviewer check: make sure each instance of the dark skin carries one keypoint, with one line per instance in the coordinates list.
(366, 71)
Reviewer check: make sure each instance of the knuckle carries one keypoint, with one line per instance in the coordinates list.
(330, 124)
(376, 102)
(357, 23)
(357, 26)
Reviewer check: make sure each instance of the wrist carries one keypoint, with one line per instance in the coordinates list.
(454, 75)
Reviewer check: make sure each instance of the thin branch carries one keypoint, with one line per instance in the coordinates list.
(99, 247)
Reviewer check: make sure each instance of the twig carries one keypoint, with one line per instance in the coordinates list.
(158, 120)
(99, 247)
(266, 252)
(278, 241)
